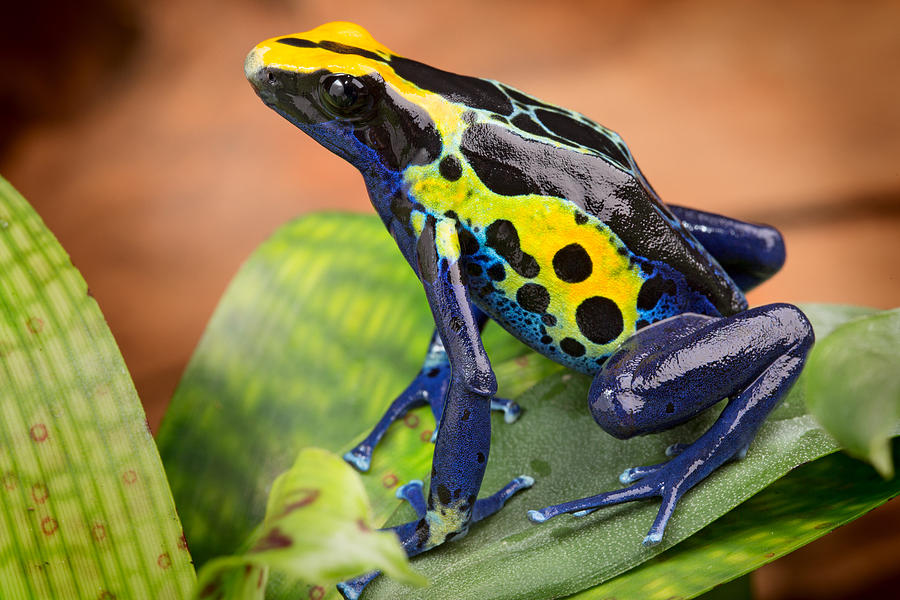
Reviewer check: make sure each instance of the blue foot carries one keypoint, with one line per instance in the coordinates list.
(511, 410)
(413, 493)
(352, 588)
(360, 457)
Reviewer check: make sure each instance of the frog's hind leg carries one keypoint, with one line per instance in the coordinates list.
(669, 372)
(748, 252)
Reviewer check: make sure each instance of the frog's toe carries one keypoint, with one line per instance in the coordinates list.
(352, 588)
(588, 505)
(360, 457)
(413, 492)
(675, 449)
(511, 410)
(636, 473)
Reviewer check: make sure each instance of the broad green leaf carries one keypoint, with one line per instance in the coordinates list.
(318, 527)
(853, 387)
(778, 520)
(318, 332)
(85, 511)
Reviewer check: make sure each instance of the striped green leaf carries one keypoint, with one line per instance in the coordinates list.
(85, 510)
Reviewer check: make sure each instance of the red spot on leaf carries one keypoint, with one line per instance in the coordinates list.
(182, 542)
(209, 589)
(49, 525)
(769, 554)
(10, 481)
(40, 493)
(39, 432)
(106, 595)
(389, 480)
(425, 436)
(261, 579)
(129, 476)
(317, 592)
(164, 561)
(522, 361)
(307, 497)
(98, 531)
(362, 526)
(274, 540)
(35, 325)
(411, 420)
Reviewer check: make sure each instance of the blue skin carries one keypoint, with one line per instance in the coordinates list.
(663, 375)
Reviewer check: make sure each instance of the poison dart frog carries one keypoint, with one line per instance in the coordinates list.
(512, 209)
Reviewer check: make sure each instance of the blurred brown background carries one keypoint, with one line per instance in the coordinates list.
(130, 128)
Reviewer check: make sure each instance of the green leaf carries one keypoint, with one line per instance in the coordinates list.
(320, 330)
(85, 511)
(318, 527)
(853, 388)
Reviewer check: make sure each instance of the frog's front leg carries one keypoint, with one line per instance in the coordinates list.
(464, 434)
(428, 387)
(669, 372)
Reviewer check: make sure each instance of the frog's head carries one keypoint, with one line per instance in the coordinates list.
(345, 90)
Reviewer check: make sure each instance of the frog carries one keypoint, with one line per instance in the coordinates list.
(511, 209)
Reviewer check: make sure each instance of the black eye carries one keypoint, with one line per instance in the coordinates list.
(344, 94)
(271, 77)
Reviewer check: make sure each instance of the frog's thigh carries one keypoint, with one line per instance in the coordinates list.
(671, 371)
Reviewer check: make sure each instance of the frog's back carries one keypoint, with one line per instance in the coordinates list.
(564, 242)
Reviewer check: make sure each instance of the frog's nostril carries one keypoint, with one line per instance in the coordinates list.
(270, 76)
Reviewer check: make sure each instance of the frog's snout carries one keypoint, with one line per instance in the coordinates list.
(255, 69)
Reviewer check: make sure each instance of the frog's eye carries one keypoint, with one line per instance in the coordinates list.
(344, 95)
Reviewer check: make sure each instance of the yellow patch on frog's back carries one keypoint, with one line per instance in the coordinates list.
(544, 225)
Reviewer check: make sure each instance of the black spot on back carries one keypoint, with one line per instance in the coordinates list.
(581, 133)
(546, 339)
(473, 269)
(572, 263)
(503, 237)
(572, 347)
(548, 320)
(480, 457)
(580, 218)
(471, 91)
(450, 168)
(468, 244)
(526, 123)
(599, 319)
(402, 207)
(496, 272)
(652, 290)
(533, 297)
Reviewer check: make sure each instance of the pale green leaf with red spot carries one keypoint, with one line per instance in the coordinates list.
(318, 527)
(85, 509)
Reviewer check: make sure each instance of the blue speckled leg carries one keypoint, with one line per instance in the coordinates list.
(464, 433)
(748, 252)
(669, 372)
(428, 387)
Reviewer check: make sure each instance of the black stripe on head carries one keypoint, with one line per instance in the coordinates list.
(297, 42)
